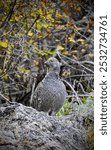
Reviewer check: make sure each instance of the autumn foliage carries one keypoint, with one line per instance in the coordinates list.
(31, 31)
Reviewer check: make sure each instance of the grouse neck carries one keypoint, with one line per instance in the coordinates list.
(55, 69)
(52, 75)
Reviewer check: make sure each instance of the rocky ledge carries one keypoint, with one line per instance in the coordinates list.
(24, 128)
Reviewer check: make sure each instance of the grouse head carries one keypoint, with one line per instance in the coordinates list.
(53, 65)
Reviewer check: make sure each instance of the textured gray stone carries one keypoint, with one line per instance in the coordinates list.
(24, 128)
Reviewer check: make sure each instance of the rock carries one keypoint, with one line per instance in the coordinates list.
(24, 128)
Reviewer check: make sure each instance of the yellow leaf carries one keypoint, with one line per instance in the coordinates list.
(30, 33)
(45, 25)
(33, 14)
(35, 62)
(23, 70)
(39, 25)
(27, 71)
(3, 44)
(17, 18)
(90, 31)
(74, 51)
(80, 40)
(9, 52)
(86, 44)
(5, 76)
(65, 53)
(71, 39)
(78, 9)
(59, 47)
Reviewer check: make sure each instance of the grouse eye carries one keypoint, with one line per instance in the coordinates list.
(51, 60)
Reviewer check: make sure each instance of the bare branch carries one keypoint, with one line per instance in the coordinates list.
(6, 99)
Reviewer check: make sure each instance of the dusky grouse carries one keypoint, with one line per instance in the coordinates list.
(50, 93)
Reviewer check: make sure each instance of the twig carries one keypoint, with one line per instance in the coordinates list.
(79, 84)
(32, 92)
(9, 14)
(33, 23)
(87, 62)
(78, 99)
(77, 63)
(80, 75)
(64, 62)
(6, 99)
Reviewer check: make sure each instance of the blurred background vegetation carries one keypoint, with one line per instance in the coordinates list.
(31, 31)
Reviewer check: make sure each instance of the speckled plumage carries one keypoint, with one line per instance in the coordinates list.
(50, 92)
